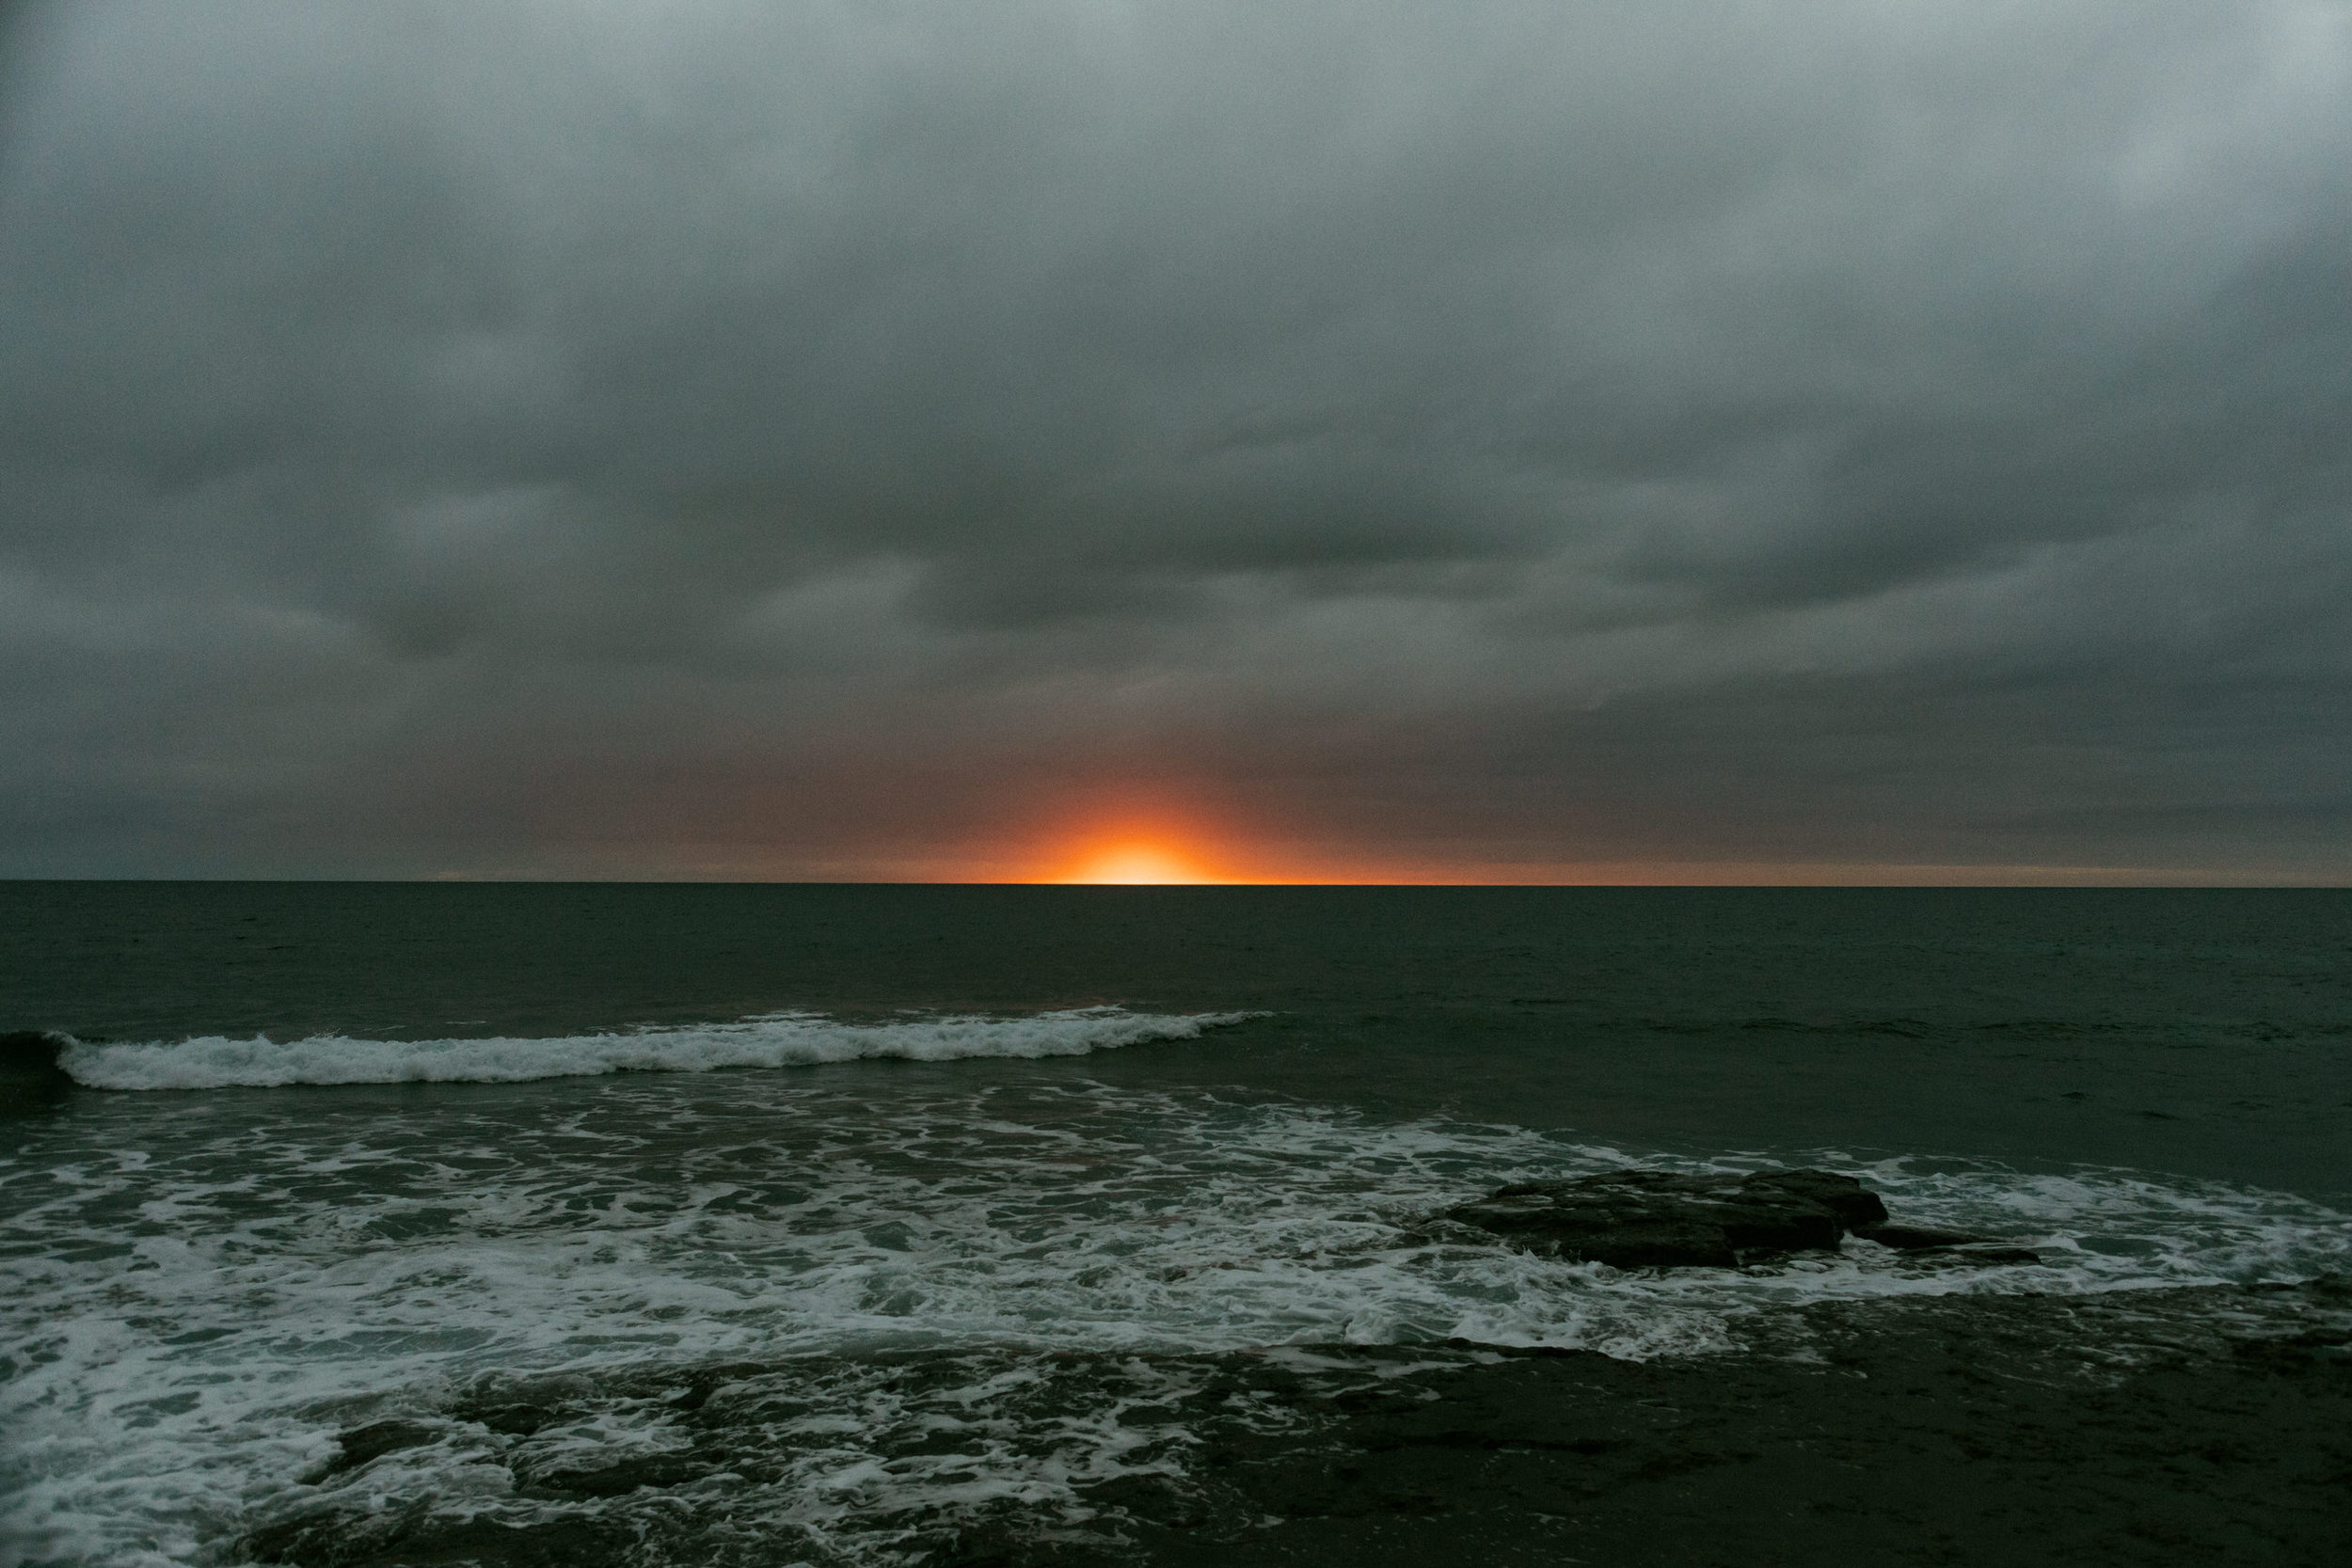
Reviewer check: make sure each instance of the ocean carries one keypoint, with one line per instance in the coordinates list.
(408, 1223)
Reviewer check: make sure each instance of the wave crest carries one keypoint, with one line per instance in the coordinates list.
(773, 1039)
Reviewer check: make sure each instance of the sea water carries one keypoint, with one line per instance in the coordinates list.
(922, 1194)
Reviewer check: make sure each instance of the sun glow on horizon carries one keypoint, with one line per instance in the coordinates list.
(1136, 865)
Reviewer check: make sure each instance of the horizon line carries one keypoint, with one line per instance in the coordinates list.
(1847, 876)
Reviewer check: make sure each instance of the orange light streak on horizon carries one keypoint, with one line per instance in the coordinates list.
(1160, 855)
(1162, 845)
(1136, 864)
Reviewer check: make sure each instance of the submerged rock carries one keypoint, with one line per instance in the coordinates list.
(618, 1479)
(364, 1445)
(1917, 1238)
(330, 1539)
(1953, 1246)
(1636, 1219)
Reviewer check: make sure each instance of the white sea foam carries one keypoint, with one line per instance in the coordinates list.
(772, 1041)
(196, 1293)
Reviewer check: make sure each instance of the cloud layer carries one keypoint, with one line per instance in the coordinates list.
(852, 440)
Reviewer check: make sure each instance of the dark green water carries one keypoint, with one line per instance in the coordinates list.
(2204, 1032)
(845, 1225)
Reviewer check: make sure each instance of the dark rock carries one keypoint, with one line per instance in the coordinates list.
(29, 1074)
(658, 1471)
(1916, 1238)
(1899, 1432)
(335, 1539)
(1004, 1545)
(514, 1418)
(362, 1445)
(519, 1407)
(1842, 1195)
(1637, 1219)
(1155, 1497)
(1656, 1219)
(1946, 1246)
(1995, 1254)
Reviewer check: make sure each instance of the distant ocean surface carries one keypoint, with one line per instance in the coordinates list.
(716, 1224)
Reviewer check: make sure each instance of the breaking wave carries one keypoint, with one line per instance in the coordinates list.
(769, 1040)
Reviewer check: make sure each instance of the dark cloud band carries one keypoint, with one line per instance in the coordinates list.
(809, 439)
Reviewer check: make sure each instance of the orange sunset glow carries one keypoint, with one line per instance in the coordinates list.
(1186, 852)
(1136, 864)
(1163, 845)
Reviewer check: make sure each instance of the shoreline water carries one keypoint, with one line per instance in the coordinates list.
(873, 1227)
(2163, 1427)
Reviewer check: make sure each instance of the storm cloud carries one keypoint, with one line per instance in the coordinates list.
(1481, 440)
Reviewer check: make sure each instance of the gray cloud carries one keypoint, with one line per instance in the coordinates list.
(831, 440)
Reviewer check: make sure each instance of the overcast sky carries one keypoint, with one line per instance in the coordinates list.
(1475, 439)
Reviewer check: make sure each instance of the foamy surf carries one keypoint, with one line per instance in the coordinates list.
(769, 1040)
(197, 1299)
